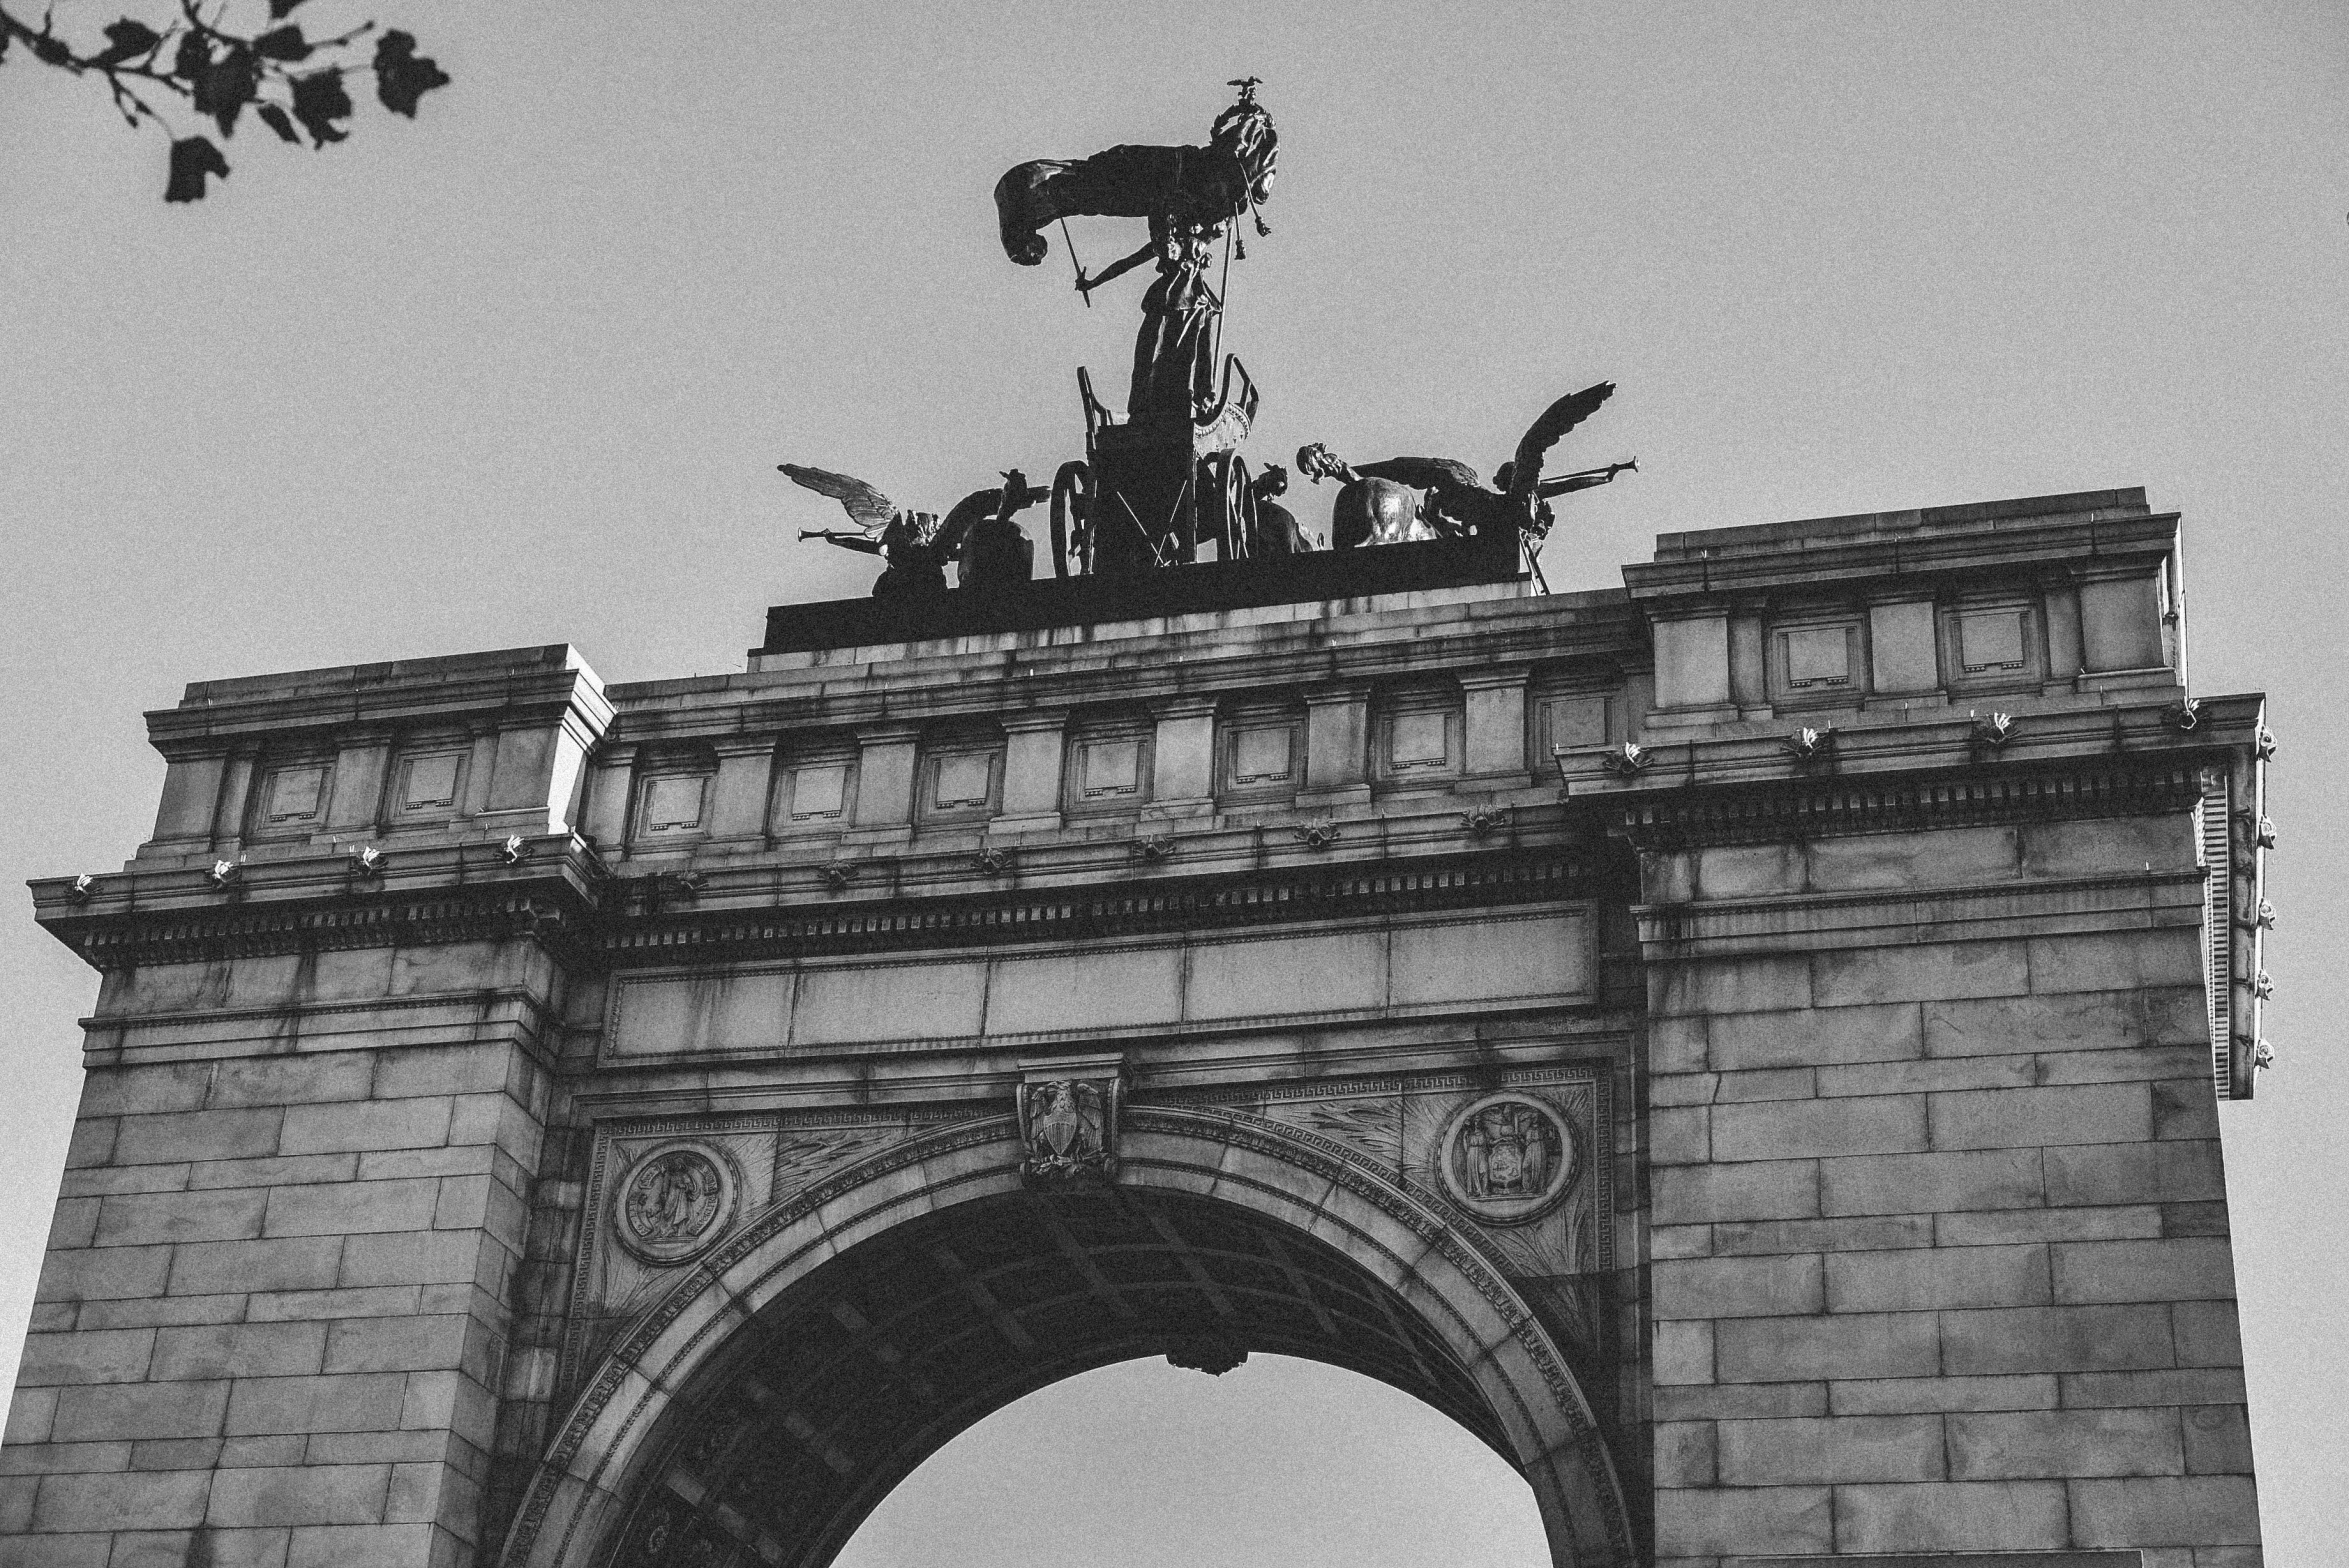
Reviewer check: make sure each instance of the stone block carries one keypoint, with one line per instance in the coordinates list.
(1756, 1190)
(1684, 1352)
(2086, 1022)
(1735, 1287)
(275, 1171)
(1775, 1083)
(2183, 1386)
(347, 1208)
(180, 1549)
(1747, 870)
(197, 1135)
(425, 1257)
(65, 1458)
(73, 1223)
(2055, 1339)
(128, 1411)
(1685, 1454)
(1682, 1088)
(459, 1160)
(177, 1453)
(160, 1311)
(355, 1402)
(2156, 1064)
(1934, 1075)
(2136, 1173)
(1740, 1401)
(227, 1214)
(2207, 1334)
(1850, 1345)
(2001, 1445)
(395, 1344)
(2023, 1118)
(1680, 1135)
(239, 1350)
(371, 1545)
(2096, 846)
(2116, 960)
(92, 1141)
(100, 1181)
(2187, 1269)
(370, 1448)
(373, 1301)
(1830, 1449)
(1859, 976)
(1798, 1129)
(1774, 1519)
(1997, 1227)
(1923, 1395)
(1712, 987)
(309, 1078)
(1680, 1241)
(2215, 1510)
(1951, 1516)
(157, 1500)
(108, 1356)
(2191, 1219)
(29, 1415)
(147, 1088)
(418, 1123)
(1692, 661)
(1907, 1281)
(321, 1494)
(1930, 1183)
(1809, 1038)
(2218, 1439)
(215, 1267)
(17, 1494)
(1945, 857)
(103, 1273)
(2186, 1108)
(1676, 1045)
(1865, 1233)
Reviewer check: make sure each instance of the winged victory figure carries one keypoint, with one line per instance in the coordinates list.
(1406, 498)
(978, 532)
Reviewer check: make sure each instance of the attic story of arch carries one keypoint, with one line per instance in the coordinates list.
(1166, 486)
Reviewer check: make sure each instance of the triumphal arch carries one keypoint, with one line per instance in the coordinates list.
(1746, 1045)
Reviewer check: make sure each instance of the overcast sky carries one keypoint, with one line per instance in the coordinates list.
(520, 372)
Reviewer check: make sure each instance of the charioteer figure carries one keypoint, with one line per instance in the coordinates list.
(1191, 196)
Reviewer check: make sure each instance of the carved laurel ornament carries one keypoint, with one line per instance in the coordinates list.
(675, 1202)
(1508, 1158)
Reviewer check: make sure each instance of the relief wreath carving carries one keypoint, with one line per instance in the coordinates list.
(1508, 1157)
(675, 1202)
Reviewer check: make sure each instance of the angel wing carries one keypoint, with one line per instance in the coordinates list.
(866, 507)
(1423, 473)
(1526, 470)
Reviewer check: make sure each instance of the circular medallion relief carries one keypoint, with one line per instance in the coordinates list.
(1508, 1157)
(675, 1201)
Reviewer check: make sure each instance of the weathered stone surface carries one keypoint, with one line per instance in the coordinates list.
(1846, 1125)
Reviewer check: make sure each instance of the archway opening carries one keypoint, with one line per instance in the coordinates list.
(866, 1366)
(1148, 1466)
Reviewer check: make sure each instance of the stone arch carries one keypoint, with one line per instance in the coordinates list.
(1404, 1294)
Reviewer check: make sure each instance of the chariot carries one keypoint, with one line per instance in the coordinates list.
(1156, 492)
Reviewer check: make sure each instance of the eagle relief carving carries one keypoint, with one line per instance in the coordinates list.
(1068, 1127)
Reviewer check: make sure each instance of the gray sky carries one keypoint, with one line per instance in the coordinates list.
(520, 372)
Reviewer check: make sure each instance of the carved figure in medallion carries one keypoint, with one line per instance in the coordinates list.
(674, 1203)
(1508, 1157)
(1068, 1126)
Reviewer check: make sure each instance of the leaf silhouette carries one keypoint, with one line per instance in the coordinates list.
(191, 160)
(279, 121)
(279, 10)
(126, 40)
(282, 43)
(319, 101)
(401, 75)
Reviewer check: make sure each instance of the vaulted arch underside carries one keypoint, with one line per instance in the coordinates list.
(779, 1394)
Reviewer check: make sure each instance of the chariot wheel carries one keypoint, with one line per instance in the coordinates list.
(1072, 520)
(1224, 494)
